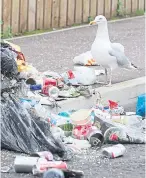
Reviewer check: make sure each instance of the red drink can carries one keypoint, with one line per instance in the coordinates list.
(53, 164)
(49, 82)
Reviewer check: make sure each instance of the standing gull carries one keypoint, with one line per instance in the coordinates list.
(107, 54)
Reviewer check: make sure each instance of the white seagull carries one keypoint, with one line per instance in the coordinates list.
(107, 54)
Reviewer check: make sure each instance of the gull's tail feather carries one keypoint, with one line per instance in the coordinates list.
(134, 66)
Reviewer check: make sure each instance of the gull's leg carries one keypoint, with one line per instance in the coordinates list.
(106, 78)
(110, 82)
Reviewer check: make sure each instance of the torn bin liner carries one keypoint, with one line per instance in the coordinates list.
(23, 132)
(8, 62)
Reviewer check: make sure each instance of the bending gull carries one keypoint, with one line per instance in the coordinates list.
(107, 54)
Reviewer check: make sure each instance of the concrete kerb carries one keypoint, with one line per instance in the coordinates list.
(73, 28)
(125, 93)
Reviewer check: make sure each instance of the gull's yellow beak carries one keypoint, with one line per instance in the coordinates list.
(92, 23)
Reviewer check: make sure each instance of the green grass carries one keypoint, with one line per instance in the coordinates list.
(139, 12)
(34, 32)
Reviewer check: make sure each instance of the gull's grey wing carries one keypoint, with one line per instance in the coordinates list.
(117, 47)
(122, 60)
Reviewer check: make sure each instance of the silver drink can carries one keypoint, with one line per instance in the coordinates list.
(95, 137)
(114, 151)
(23, 164)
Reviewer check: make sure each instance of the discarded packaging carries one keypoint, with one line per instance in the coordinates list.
(80, 144)
(69, 78)
(124, 135)
(118, 133)
(95, 137)
(127, 120)
(81, 117)
(70, 93)
(23, 164)
(5, 169)
(35, 87)
(57, 132)
(58, 120)
(44, 154)
(85, 59)
(141, 105)
(85, 75)
(73, 173)
(49, 82)
(50, 91)
(54, 173)
(57, 173)
(42, 166)
(114, 151)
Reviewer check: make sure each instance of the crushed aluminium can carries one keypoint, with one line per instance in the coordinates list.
(95, 137)
(114, 151)
(23, 164)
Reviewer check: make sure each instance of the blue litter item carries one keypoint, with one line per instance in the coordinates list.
(66, 113)
(31, 101)
(140, 106)
(35, 87)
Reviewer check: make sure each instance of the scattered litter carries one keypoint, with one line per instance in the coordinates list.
(85, 59)
(54, 173)
(85, 75)
(28, 126)
(140, 107)
(95, 137)
(81, 117)
(45, 154)
(5, 169)
(114, 151)
(70, 93)
(24, 164)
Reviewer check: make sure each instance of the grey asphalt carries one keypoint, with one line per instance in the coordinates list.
(55, 51)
